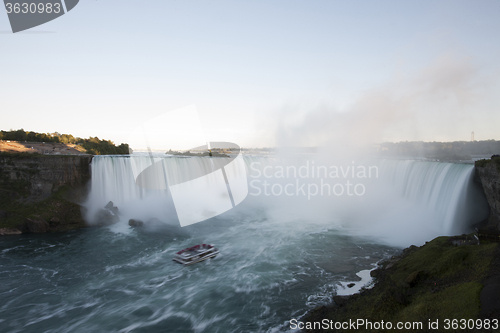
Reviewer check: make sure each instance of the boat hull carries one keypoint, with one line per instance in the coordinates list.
(195, 260)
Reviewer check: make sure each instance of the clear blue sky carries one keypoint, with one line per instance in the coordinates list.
(260, 73)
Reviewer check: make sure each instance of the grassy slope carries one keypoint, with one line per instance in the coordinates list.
(436, 281)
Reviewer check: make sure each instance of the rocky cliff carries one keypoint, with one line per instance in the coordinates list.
(41, 175)
(40, 193)
(488, 172)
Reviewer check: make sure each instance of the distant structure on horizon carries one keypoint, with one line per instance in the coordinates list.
(472, 137)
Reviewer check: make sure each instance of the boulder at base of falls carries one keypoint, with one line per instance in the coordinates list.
(135, 223)
(34, 224)
(104, 218)
(112, 208)
(108, 215)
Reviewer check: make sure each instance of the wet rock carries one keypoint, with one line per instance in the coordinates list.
(350, 285)
(105, 217)
(9, 231)
(55, 223)
(108, 215)
(341, 300)
(36, 225)
(112, 208)
(135, 223)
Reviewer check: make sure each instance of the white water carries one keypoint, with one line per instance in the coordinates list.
(403, 202)
(447, 190)
(279, 256)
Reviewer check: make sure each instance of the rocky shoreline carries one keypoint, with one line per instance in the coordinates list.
(42, 193)
(447, 278)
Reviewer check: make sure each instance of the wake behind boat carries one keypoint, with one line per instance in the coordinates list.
(195, 254)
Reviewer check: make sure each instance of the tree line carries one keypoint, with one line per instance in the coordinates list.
(92, 145)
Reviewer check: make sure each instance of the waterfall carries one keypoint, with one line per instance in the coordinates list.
(410, 201)
(448, 189)
(175, 190)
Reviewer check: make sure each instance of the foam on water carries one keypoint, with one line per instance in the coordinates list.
(128, 282)
(343, 289)
(279, 256)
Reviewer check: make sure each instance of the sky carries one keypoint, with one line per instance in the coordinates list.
(259, 73)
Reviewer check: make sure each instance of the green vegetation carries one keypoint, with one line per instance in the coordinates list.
(440, 259)
(95, 146)
(56, 209)
(437, 281)
(92, 145)
(484, 162)
(21, 135)
(456, 302)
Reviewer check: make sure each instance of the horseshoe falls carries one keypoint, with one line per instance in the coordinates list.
(404, 202)
(305, 230)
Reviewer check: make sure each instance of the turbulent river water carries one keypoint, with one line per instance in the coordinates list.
(98, 280)
(278, 258)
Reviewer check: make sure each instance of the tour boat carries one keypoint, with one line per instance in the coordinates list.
(195, 254)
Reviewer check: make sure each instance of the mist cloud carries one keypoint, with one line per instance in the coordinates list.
(440, 102)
